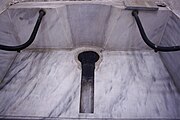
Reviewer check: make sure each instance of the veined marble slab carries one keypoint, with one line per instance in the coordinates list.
(127, 85)
(8, 31)
(54, 31)
(76, 25)
(88, 24)
(4, 4)
(7, 37)
(123, 34)
(42, 84)
(171, 38)
(135, 85)
(6, 60)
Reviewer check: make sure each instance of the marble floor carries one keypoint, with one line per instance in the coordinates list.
(128, 84)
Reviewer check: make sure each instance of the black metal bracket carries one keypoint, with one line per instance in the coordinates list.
(146, 39)
(31, 39)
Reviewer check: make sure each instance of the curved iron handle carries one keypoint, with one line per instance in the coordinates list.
(31, 39)
(146, 39)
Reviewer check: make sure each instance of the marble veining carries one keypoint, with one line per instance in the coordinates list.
(46, 83)
(88, 23)
(122, 32)
(171, 38)
(6, 60)
(41, 84)
(7, 37)
(135, 85)
(74, 25)
(54, 31)
(7, 30)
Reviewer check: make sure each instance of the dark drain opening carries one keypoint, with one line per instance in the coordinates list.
(88, 60)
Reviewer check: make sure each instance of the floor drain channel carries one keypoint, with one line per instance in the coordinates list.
(88, 60)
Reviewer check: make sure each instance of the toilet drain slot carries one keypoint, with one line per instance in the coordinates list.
(88, 60)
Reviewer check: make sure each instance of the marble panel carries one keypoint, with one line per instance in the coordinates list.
(173, 4)
(41, 84)
(54, 31)
(122, 32)
(6, 60)
(46, 83)
(7, 37)
(135, 85)
(8, 34)
(88, 23)
(171, 38)
(3, 5)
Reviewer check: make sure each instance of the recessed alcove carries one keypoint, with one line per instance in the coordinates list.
(130, 80)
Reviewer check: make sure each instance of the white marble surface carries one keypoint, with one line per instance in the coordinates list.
(6, 60)
(122, 32)
(171, 33)
(8, 33)
(135, 85)
(46, 83)
(88, 23)
(54, 31)
(173, 4)
(74, 25)
(171, 38)
(127, 85)
(3, 5)
(41, 84)
(7, 37)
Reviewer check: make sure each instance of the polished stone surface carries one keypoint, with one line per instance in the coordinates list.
(8, 31)
(171, 38)
(41, 84)
(6, 60)
(135, 85)
(74, 25)
(54, 31)
(122, 32)
(88, 24)
(4, 5)
(46, 83)
(8, 36)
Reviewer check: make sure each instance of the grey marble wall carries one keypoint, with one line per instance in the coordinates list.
(54, 31)
(122, 32)
(8, 38)
(127, 85)
(170, 38)
(74, 25)
(3, 5)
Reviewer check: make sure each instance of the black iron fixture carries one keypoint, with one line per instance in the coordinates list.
(31, 39)
(88, 60)
(146, 39)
